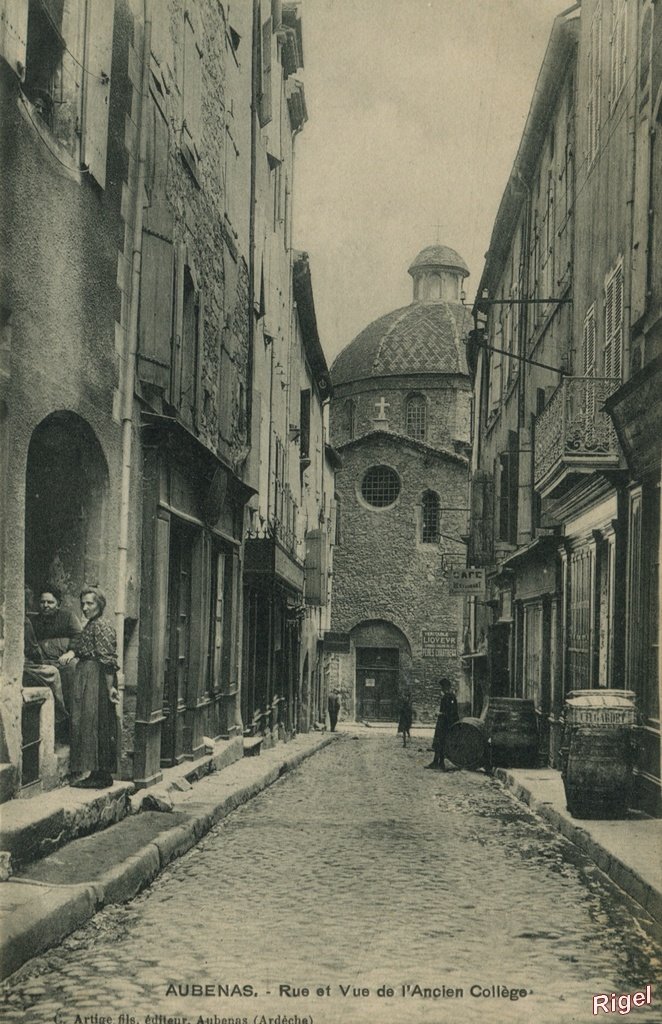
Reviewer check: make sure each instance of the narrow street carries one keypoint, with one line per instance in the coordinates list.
(360, 870)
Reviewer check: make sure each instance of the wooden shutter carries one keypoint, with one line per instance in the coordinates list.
(14, 34)
(614, 324)
(265, 94)
(155, 315)
(192, 84)
(304, 441)
(226, 394)
(588, 346)
(177, 319)
(217, 623)
(96, 86)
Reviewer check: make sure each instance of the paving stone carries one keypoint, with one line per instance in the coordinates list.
(358, 869)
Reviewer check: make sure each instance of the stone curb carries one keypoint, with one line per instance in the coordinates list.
(33, 933)
(620, 873)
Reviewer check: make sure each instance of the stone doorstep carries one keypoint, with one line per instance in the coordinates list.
(33, 828)
(628, 851)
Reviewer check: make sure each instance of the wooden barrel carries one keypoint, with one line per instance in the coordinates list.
(512, 726)
(598, 772)
(466, 743)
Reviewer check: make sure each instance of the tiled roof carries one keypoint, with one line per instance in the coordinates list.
(425, 337)
(440, 256)
(400, 439)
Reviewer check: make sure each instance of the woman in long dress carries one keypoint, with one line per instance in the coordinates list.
(94, 732)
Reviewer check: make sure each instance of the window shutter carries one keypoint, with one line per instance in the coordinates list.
(614, 324)
(588, 361)
(304, 441)
(618, 323)
(14, 34)
(178, 319)
(226, 393)
(96, 82)
(265, 95)
(192, 84)
(199, 358)
(155, 315)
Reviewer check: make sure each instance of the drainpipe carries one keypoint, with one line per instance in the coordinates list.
(131, 347)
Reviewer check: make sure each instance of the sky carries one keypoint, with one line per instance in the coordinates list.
(416, 109)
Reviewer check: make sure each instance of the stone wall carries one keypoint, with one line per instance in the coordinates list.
(382, 571)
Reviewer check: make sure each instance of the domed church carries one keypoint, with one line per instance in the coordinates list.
(400, 418)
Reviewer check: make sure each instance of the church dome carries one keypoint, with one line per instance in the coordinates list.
(441, 256)
(427, 336)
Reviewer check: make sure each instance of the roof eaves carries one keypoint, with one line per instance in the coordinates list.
(390, 435)
(560, 48)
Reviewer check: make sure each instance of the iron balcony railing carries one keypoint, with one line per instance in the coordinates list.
(574, 426)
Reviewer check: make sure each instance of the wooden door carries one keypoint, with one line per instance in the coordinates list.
(178, 643)
(377, 672)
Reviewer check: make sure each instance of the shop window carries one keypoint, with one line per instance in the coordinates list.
(430, 518)
(416, 417)
(380, 486)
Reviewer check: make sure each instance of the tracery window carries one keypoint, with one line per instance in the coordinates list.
(416, 417)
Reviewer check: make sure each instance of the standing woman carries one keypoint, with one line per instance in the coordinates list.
(94, 733)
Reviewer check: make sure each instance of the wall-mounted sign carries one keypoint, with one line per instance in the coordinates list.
(439, 643)
(466, 583)
(369, 682)
(335, 642)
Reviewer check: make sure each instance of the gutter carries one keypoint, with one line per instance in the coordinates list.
(131, 348)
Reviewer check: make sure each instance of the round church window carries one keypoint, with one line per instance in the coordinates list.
(380, 486)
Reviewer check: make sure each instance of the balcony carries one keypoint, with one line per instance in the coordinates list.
(574, 436)
(273, 549)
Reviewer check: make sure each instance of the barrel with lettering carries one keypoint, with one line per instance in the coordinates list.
(598, 776)
(466, 744)
(512, 726)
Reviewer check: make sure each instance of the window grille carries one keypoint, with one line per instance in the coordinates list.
(417, 417)
(430, 518)
(380, 486)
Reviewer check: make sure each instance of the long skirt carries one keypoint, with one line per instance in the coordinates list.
(93, 722)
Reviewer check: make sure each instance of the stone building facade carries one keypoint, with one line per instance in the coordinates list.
(566, 481)
(400, 419)
(153, 364)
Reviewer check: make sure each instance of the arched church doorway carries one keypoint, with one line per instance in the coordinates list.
(65, 507)
(383, 664)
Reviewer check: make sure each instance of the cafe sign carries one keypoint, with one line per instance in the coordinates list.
(466, 583)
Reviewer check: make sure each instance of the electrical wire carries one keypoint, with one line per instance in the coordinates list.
(56, 28)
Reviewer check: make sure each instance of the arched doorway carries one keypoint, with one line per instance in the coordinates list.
(383, 665)
(66, 489)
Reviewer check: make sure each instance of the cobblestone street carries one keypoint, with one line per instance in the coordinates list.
(357, 871)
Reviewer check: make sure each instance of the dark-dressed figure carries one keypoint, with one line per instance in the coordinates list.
(446, 719)
(94, 726)
(55, 629)
(405, 717)
(334, 709)
(36, 672)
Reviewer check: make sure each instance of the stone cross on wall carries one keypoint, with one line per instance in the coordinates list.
(381, 406)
